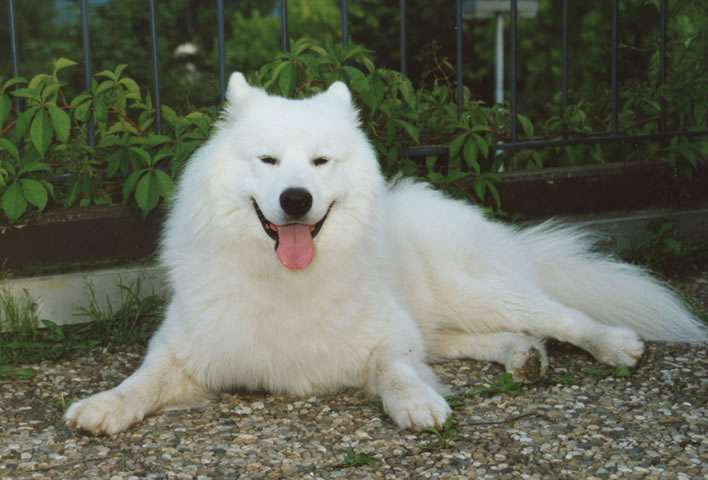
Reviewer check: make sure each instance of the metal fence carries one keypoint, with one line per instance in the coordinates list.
(513, 144)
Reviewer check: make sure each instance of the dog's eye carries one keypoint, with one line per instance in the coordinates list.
(319, 161)
(268, 160)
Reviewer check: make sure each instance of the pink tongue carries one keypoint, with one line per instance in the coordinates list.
(295, 248)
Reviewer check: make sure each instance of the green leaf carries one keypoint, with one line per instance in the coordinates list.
(480, 187)
(358, 81)
(62, 63)
(155, 140)
(49, 92)
(40, 80)
(144, 156)
(12, 81)
(437, 178)
(79, 99)
(469, 153)
(72, 193)
(83, 111)
(34, 193)
(107, 74)
(41, 132)
(60, 121)
(169, 115)
(526, 125)
(622, 371)
(30, 93)
(286, 79)
(119, 70)
(131, 182)
(5, 107)
(165, 184)
(105, 85)
(146, 192)
(23, 121)
(13, 202)
(34, 167)
(10, 147)
(411, 129)
(456, 145)
(482, 144)
(132, 87)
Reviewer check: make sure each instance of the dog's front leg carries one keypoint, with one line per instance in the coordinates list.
(407, 388)
(160, 381)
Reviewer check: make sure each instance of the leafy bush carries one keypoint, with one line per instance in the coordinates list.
(45, 157)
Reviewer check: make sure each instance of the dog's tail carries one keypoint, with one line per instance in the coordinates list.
(609, 291)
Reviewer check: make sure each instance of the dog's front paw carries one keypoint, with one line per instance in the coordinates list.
(417, 408)
(108, 412)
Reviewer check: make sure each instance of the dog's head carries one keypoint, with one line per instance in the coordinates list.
(302, 169)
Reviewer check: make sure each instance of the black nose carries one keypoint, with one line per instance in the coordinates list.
(296, 202)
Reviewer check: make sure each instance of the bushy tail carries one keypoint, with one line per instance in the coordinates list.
(609, 291)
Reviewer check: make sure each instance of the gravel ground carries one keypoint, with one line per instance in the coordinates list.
(652, 424)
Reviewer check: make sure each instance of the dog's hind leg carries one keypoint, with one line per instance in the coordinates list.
(495, 305)
(523, 356)
(161, 381)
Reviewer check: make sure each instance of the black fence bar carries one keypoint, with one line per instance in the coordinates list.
(536, 144)
(613, 72)
(222, 53)
(155, 67)
(513, 18)
(458, 44)
(662, 62)
(13, 47)
(86, 44)
(404, 54)
(345, 22)
(564, 69)
(284, 25)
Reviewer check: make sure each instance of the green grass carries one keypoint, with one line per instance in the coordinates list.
(133, 321)
(352, 459)
(446, 434)
(26, 338)
(504, 384)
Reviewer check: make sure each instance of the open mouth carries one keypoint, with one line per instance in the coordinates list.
(293, 241)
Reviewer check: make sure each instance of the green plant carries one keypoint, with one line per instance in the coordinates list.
(356, 459)
(662, 250)
(19, 374)
(130, 162)
(567, 378)
(447, 434)
(18, 325)
(63, 404)
(26, 339)
(133, 321)
(455, 400)
(504, 384)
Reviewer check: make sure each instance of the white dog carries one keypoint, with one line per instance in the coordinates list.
(296, 269)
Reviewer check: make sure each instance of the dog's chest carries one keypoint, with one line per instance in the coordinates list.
(285, 350)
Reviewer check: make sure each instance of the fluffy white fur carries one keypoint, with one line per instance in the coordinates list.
(401, 275)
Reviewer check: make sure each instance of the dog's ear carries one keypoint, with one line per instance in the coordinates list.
(239, 90)
(340, 91)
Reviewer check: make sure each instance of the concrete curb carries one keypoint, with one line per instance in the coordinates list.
(59, 297)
